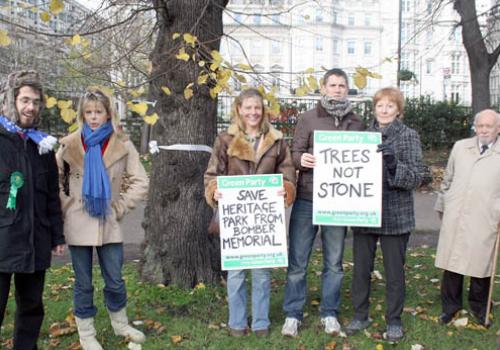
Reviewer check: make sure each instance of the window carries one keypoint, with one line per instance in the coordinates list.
(368, 20)
(405, 61)
(319, 43)
(319, 15)
(455, 93)
(428, 67)
(429, 7)
(256, 46)
(257, 19)
(455, 63)
(406, 5)
(276, 76)
(351, 47)
(350, 19)
(368, 48)
(276, 47)
(335, 17)
(335, 46)
(406, 32)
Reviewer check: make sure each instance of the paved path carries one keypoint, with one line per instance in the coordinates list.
(426, 232)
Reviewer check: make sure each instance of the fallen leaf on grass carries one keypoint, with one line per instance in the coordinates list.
(301, 347)
(176, 339)
(58, 329)
(315, 302)
(213, 326)
(138, 322)
(417, 347)
(379, 347)
(449, 334)
(376, 274)
(347, 346)
(331, 345)
(378, 307)
(75, 346)
(461, 322)
(434, 280)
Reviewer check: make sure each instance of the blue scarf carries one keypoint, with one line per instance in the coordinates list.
(45, 142)
(96, 189)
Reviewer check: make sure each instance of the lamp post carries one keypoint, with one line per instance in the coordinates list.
(400, 25)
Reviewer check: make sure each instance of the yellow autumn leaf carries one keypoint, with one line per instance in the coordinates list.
(176, 339)
(240, 78)
(86, 55)
(68, 115)
(243, 66)
(359, 80)
(73, 127)
(202, 79)
(188, 92)
(139, 108)
(190, 39)
(379, 347)
(182, 55)
(375, 75)
(213, 93)
(108, 91)
(45, 16)
(362, 70)
(313, 83)
(175, 36)
(34, 9)
(217, 58)
(56, 6)
(4, 38)
(50, 102)
(300, 91)
(151, 119)
(166, 90)
(76, 39)
(138, 92)
(200, 285)
(309, 70)
(62, 104)
(150, 67)
(122, 84)
(85, 43)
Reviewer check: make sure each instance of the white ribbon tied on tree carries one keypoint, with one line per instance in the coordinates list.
(154, 148)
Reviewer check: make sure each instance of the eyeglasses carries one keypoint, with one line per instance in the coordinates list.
(95, 94)
(25, 101)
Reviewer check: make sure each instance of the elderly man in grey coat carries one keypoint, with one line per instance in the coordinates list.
(469, 205)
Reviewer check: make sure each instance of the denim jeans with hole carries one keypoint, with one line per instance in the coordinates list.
(237, 296)
(111, 262)
(301, 239)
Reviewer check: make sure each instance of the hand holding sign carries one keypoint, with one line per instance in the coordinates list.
(307, 160)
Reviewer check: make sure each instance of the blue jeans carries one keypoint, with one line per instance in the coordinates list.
(111, 262)
(237, 296)
(301, 236)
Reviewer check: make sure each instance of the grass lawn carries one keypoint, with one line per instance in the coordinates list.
(196, 319)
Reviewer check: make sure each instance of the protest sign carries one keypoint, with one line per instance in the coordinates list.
(252, 222)
(347, 179)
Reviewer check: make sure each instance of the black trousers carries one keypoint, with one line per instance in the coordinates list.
(394, 255)
(29, 306)
(452, 291)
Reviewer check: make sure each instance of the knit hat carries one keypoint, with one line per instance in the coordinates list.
(10, 87)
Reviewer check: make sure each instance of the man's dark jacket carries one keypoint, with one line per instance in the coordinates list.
(28, 233)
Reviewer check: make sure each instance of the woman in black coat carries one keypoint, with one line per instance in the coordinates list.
(402, 174)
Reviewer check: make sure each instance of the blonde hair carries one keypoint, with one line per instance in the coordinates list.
(95, 94)
(392, 94)
(238, 101)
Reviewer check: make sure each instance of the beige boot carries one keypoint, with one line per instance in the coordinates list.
(119, 321)
(86, 331)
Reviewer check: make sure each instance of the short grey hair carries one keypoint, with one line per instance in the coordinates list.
(478, 114)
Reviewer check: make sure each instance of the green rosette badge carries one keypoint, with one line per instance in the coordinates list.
(16, 182)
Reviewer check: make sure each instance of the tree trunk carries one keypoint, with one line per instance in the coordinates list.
(480, 61)
(177, 249)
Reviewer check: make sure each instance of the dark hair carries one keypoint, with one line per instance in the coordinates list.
(34, 85)
(337, 72)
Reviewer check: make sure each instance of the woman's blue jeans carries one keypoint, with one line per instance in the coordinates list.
(237, 296)
(111, 262)
(301, 236)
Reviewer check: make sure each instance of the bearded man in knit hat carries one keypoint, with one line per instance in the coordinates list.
(31, 224)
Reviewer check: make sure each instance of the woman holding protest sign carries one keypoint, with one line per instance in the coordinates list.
(402, 174)
(251, 145)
